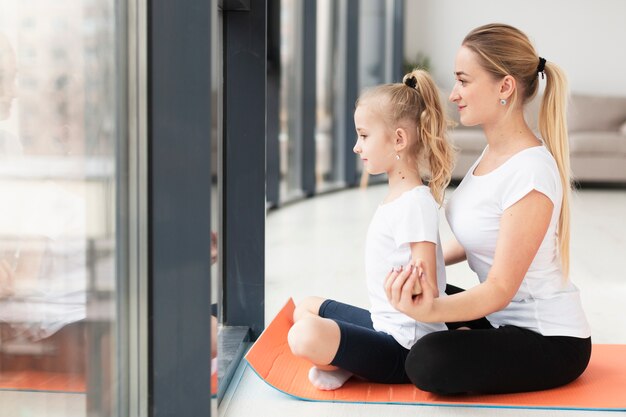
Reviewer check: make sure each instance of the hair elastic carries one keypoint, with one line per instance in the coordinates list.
(541, 67)
(411, 81)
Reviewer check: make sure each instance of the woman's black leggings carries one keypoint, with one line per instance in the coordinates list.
(489, 360)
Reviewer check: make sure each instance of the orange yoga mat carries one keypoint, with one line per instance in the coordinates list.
(55, 382)
(601, 387)
(42, 381)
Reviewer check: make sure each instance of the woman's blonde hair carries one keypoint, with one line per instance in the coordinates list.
(504, 50)
(416, 101)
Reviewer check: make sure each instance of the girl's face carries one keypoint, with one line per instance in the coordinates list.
(475, 92)
(374, 142)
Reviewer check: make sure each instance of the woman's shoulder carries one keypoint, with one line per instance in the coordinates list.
(536, 160)
(535, 169)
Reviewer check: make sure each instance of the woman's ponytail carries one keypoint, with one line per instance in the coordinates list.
(553, 130)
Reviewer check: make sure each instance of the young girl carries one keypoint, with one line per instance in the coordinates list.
(401, 132)
(510, 217)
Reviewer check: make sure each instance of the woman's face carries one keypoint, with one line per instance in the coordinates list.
(475, 92)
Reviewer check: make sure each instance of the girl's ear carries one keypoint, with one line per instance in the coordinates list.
(401, 139)
(507, 86)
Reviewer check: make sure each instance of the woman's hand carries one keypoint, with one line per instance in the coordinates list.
(399, 287)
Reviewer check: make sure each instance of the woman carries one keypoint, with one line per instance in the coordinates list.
(510, 217)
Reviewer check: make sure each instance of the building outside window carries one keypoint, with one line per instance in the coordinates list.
(59, 150)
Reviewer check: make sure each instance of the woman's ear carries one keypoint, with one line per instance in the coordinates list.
(401, 139)
(507, 86)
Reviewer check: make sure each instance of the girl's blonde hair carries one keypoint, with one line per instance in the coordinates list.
(504, 50)
(416, 102)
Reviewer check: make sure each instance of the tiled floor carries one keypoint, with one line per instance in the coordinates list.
(316, 247)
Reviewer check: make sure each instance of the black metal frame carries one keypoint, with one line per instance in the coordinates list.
(273, 104)
(179, 207)
(308, 87)
(243, 201)
(347, 84)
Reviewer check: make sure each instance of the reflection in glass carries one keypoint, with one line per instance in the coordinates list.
(289, 141)
(217, 51)
(372, 59)
(373, 33)
(326, 170)
(324, 110)
(58, 131)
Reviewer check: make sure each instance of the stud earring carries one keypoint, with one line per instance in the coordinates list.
(397, 157)
(503, 102)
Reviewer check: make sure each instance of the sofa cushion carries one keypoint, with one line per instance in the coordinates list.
(596, 113)
(597, 143)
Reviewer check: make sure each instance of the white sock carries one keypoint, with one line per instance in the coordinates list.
(328, 380)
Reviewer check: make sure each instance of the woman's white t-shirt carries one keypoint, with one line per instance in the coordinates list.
(545, 302)
(412, 217)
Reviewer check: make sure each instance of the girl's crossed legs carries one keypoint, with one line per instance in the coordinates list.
(340, 338)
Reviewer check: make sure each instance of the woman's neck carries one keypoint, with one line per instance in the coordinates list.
(509, 136)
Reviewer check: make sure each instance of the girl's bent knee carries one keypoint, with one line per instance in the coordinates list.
(302, 337)
(308, 306)
(315, 339)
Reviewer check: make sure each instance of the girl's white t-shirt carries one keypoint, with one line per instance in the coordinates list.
(545, 302)
(412, 217)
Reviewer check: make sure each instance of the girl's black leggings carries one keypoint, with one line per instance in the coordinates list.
(489, 360)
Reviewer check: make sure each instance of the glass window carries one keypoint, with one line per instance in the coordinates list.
(59, 129)
(326, 170)
(371, 43)
(290, 146)
(373, 57)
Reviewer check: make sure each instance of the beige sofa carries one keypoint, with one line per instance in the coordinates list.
(597, 138)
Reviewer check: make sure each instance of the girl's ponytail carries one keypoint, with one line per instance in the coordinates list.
(432, 127)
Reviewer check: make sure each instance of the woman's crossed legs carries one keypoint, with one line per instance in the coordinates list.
(503, 360)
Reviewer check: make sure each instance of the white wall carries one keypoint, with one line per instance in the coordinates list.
(587, 38)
